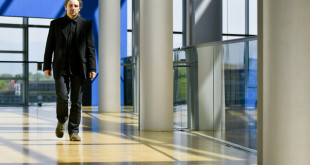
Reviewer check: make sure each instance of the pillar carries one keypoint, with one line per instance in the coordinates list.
(284, 82)
(156, 65)
(109, 56)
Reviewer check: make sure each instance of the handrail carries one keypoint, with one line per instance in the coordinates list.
(36, 62)
(217, 43)
(129, 57)
(130, 64)
(184, 62)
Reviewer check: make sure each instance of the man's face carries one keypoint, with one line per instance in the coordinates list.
(73, 8)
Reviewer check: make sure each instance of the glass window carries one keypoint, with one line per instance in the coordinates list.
(41, 88)
(11, 91)
(39, 21)
(15, 70)
(177, 15)
(129, 43)
(225, 10)
(37, 42)
(11, 39)
(236, 16)
(129, 14)
(240, 92)
(180, 56)
(37, 75)
(253, 49)
(177, 40)
(11, 20)
(253, 17)
(180, 97)
(234, 55)
(11, 57)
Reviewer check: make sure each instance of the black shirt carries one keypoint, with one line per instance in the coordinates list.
(72, 64)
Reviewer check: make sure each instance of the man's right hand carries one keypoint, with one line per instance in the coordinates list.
(48, 73)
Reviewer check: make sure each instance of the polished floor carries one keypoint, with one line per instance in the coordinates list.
(239, 126)
(27, 137)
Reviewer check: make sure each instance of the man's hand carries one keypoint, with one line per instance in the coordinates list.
(48, 73)
(92, 75)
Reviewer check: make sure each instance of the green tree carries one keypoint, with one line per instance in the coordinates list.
(3, 85)
(6, 75)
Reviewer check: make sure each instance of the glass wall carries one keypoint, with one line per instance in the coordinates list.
(239, 18)
(129, 27)
(12, 85)
(240, 84)
(179, 71)
(12, 77)
(177, 23)
(131, 86)
(41, 88)
(222, 78)
(180, 89)
(11, 38)
(22, 44)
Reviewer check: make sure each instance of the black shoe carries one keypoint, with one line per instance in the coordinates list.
(60, 130)
(75, 137)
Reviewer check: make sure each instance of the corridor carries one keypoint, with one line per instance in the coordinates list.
(27, 136)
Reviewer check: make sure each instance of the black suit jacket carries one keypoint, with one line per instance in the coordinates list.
(56, 45)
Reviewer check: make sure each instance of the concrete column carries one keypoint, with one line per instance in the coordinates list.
(109, 56)
(156, 65)
(206, 21)
(284, 61)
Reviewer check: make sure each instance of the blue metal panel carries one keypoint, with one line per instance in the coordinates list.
(94, 97)
(31, 8)
(123, 43)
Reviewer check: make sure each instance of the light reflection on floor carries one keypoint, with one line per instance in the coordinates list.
(27, 136)
(238, 125)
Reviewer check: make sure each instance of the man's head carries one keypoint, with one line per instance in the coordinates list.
(73, 7)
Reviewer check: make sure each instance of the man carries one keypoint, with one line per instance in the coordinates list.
(70, 40)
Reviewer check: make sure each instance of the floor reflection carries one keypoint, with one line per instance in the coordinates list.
(239, 125)
(27, 136)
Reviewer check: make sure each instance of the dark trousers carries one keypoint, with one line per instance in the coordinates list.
(73, 85)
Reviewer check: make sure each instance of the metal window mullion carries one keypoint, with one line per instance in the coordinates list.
(247, 17)
(38, 26)
(26, 59)
(184, 13)
(11, 25)
(8, 51)
(177, 32)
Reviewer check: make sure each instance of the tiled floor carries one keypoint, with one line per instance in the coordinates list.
(27, 136)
